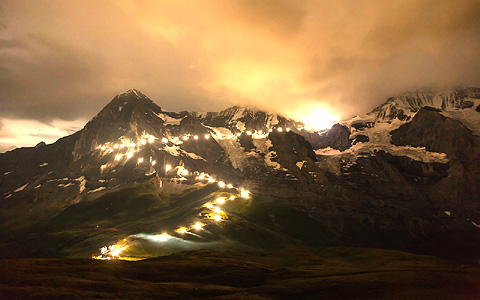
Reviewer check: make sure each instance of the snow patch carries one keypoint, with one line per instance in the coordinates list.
(300, 164)
(43, 165)
(97, 190)
(21, 188)
(83, 182)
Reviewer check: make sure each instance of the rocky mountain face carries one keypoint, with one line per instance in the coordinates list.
(403, 176)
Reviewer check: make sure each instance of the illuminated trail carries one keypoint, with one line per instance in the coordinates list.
(217, 215)
(125, 150)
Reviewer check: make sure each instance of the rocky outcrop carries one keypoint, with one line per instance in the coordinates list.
(360, 138)
(430, 129)
(338, 137)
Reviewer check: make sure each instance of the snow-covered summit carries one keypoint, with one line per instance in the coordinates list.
(409, 103)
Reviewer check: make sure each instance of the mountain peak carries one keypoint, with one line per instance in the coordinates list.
(133, 93)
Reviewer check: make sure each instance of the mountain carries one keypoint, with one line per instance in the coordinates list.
(140, 178)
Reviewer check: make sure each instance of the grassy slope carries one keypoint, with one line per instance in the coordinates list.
(334, 273)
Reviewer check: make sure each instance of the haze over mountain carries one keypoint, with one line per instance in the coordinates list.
(61, 60)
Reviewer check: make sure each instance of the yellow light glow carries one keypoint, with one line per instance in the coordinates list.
(195, 137)
(230, 186)
(249, 133)
(217, 210)
(232, 198)
(143, 141)
(185, 138)
(151, 139)
(164, 140)
(132, 145)
(198, 226)
(287, 129)
(221, 184)
(103, 148)
(168, 168)
(280, 129)
(270, 130)
(244, 194)
(318, 119)
(154, 162)
(140, 160)
(239, 134)
(220, 200)
(129, 155)
(115, 146)
(207, 136)
(217, 218)
(211, 180)
(181, 230)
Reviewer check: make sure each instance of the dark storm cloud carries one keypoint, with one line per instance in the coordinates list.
(67, 59)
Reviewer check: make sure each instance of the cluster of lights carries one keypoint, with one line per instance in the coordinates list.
(132, 147)
(217, 214)
(113, 251)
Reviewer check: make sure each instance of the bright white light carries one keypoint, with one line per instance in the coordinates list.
(229, 185)
(168, 168)
(207, 136)
(280, 129)
(129, 155)
(185, 138)
(154, 162)
(132, 145)
(164, 140)
(198, 226)
(163, 237)
(118, 156)
(151, 139)
(220, 200)
(217, 218)
(140, 160)
(103, 148)
(195, 137)
(270, 130)
(211, 180)
(249, 133)
(221, 184)
(288, 129)
(239, 134)
(217, 210)
(232, 198)
(115, 146)
(143, 141)
(244, 194)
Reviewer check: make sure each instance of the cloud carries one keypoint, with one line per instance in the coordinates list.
(66, 60)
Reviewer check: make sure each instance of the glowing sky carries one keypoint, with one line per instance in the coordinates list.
(62, 61)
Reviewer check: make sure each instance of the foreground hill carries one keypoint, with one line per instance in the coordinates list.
(333, 273)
